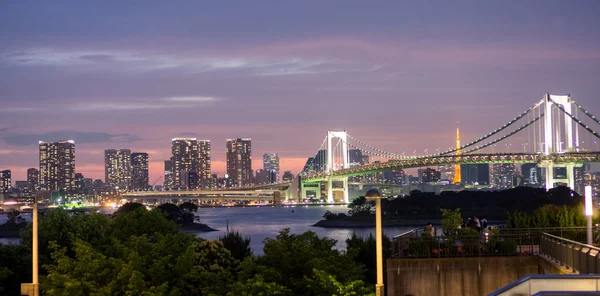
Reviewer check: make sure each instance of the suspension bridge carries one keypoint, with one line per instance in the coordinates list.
(556, 132)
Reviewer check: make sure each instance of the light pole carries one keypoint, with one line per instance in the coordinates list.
(588, 213)
(374, 194)
(33, 288)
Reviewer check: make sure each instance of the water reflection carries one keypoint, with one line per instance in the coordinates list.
(266, 222)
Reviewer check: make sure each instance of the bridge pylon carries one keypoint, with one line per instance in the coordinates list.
(557, 133)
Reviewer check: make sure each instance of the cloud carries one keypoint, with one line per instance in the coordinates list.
(175, 102)
(78, 137)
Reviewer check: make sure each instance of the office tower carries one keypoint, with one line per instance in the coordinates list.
(88, 186)
(98, 186)
(271, 164)
(239, 161)
(365, 160)
(190, 155)
(475, 174)
(5, 181)
(583, 177)
(117, 168)
(33, 177)
(189, 180)
(446, 172)
(394, 177)
(355, 157)
(57, 166)
(502, 175)
(79, 179)
(264, 176)
(309, 165)
(204, 165)
(532, 175)
(168, 174)
(288, 176)
(139, 170)
(320, 161)
(428, 175)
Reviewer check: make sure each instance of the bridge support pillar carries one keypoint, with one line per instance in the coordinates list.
(346, 193)
(549, 177)
(330, 191)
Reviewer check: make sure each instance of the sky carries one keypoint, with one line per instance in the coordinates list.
(396, 74)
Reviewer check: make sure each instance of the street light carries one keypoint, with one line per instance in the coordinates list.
(588, 212)
(374, 194)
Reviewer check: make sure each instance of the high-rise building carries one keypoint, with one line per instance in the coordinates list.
(117, 168)
(446, 172)
(365, 160)
(475, 174)
(98, 186)
(532, 175)
(583, 177)
(239, 161)
(355, 157)
(271, 164)
(320, 161)
(288, 176)
(204, 165)
(309, 165)
(57, 166)
(428, 175)
(5, 181)
(139, 170)
(168, 174)
(264, 176)
(190, 155)
(33, 178)
(502, 175)
(79, 184)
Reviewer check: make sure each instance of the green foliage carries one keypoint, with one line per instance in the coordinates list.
(289, 261)
(331, 286)
(129, 207)
(180, 215)
(366, 253)
(548, 216)
(15, 263)
(361, 207)
(451, 220)
(333, 216)
(238, 246)
(140, 252)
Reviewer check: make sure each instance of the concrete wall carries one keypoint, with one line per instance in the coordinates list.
(456, 276)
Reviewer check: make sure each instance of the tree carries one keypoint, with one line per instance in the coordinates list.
(451, 220)
(289, 261)
(361, 207)
(238, 246)
(366, 253)
(188, 206)
(331, 286)
(129, 207)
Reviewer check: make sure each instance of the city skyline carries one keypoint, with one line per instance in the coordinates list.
(136, 82)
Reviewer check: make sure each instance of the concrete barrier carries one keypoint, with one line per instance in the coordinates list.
(456, 276)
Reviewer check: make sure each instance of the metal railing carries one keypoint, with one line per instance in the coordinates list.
(494, 242)
(571, 254)
(551, 284)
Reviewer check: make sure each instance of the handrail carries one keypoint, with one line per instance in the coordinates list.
(579, 257)
(533, 277)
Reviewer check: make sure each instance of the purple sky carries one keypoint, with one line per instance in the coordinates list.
(395, 74)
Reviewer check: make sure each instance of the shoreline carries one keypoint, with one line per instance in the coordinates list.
(370, 223)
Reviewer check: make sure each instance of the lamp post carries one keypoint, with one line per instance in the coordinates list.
(33, 288)
(588, 213)
(374, 194)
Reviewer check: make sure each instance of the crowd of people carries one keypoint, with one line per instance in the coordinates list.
(470, 222)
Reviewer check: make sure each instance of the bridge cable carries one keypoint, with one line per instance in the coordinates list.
(505, 136)
(495, 131)
(585, 112)
(561, 108)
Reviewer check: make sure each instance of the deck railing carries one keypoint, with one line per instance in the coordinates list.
(574, 255)
(495, 242)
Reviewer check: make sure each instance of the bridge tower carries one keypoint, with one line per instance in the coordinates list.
(555, 137)
(456, 179)
(332, 165)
